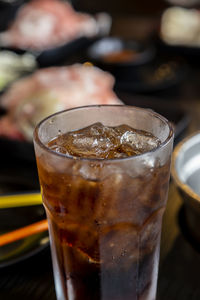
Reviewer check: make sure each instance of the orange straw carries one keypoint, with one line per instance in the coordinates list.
(23, 232)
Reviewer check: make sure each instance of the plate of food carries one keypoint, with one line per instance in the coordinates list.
(179, 31)
(52, 30)
(46, 91)
(14, 66)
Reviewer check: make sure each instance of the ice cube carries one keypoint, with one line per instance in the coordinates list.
(139, 140)
(104, 142)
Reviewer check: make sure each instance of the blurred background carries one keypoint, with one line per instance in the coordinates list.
(51, 52)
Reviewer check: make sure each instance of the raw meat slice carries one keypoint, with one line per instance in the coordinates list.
(43, 24)
(49, 90)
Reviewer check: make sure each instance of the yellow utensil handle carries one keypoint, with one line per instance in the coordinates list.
(19, 200)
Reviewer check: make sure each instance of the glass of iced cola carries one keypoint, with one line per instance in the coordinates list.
(104, 176)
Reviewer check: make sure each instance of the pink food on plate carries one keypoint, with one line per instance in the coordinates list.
(49, 90)
(43, 24)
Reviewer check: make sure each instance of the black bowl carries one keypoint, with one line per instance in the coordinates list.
(190, 53)
(114, 52)
(13, 218)
(16, 177)
(57, 55)
(162, 73)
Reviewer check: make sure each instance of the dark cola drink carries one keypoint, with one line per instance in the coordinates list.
(104, 189)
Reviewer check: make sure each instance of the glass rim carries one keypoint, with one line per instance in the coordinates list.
(65, 156)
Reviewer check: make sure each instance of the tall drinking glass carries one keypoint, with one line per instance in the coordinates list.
(104, 215)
